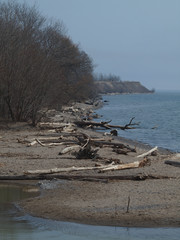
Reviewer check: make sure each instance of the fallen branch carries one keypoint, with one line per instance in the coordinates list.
(121, 151)
(127, 126)
(173, 163)
(69, 149)
(147, 153)
(53, 144)
(138, 177)
(86, 153)
(112, 144)
(103, 168)
(106, 125)
(136, 164)
(32, 143)
(68, 169)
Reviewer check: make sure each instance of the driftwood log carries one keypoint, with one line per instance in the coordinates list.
(136, 164)
(172, 163)
(112, 144)
(54, 144)
(68, 169)
(139, 177)
(86, 153)
(105, 125)
(70, 149)
(147, 153)
(103, 168)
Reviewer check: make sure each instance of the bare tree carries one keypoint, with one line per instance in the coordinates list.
(39, 65)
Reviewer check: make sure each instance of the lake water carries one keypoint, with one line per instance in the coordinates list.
(14, 225)
(158, 114)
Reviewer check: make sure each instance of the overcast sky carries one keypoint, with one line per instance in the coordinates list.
(138, 40)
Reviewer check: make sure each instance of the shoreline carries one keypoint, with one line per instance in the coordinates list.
(153, 202)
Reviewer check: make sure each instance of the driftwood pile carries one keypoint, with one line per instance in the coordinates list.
(83, 146)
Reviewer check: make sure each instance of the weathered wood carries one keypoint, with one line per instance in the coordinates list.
(173, 163)
(68, 169)
(102, 168)
(127, 126)
(135, 164)
(91, 123)
(147, 153)
(112, 144)
(105, 125)
(69, 149)
(139, 177)
(54, 144)
(32, 143)
(86, 152)
(121, 151)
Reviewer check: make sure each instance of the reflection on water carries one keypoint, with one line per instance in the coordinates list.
(9, 227)
(15, 226)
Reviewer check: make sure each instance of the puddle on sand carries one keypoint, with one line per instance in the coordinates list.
(10, 193)
(15, 226)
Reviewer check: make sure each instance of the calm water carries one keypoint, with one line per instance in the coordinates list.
(15, 226)
(160, 110)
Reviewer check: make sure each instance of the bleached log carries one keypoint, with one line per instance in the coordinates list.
(135, 164)
(102, 168)
(53, 144)
(42, 140)
(69, 149)
(68, 169)
(147, 153)
(32, 143)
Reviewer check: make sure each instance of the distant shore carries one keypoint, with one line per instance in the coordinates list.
(121, 87)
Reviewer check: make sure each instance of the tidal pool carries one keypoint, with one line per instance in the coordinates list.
(14, 225)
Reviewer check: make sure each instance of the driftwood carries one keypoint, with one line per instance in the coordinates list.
(173, 163)
(103, 168)
(68, 169)
(53, 144)
(86, 153)
(127, 126)
(121, 151)
(111, 144)
(106, 125)
(69, 149)
(147, 153)
(138, 177)
(32, 143)
(136, 164)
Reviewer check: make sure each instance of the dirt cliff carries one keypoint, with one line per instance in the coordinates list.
(117, 87)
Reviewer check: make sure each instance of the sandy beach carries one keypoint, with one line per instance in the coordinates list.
(154, 201)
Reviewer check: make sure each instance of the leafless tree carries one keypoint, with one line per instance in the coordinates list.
(39, 65)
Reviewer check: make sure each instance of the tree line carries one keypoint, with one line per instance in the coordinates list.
(40, 66)
(107, 78)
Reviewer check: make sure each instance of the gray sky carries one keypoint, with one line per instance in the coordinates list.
(138, 40)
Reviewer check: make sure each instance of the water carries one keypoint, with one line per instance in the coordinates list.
(158, 114)
(16, 226)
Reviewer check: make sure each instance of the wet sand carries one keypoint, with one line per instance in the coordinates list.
(153, 202)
